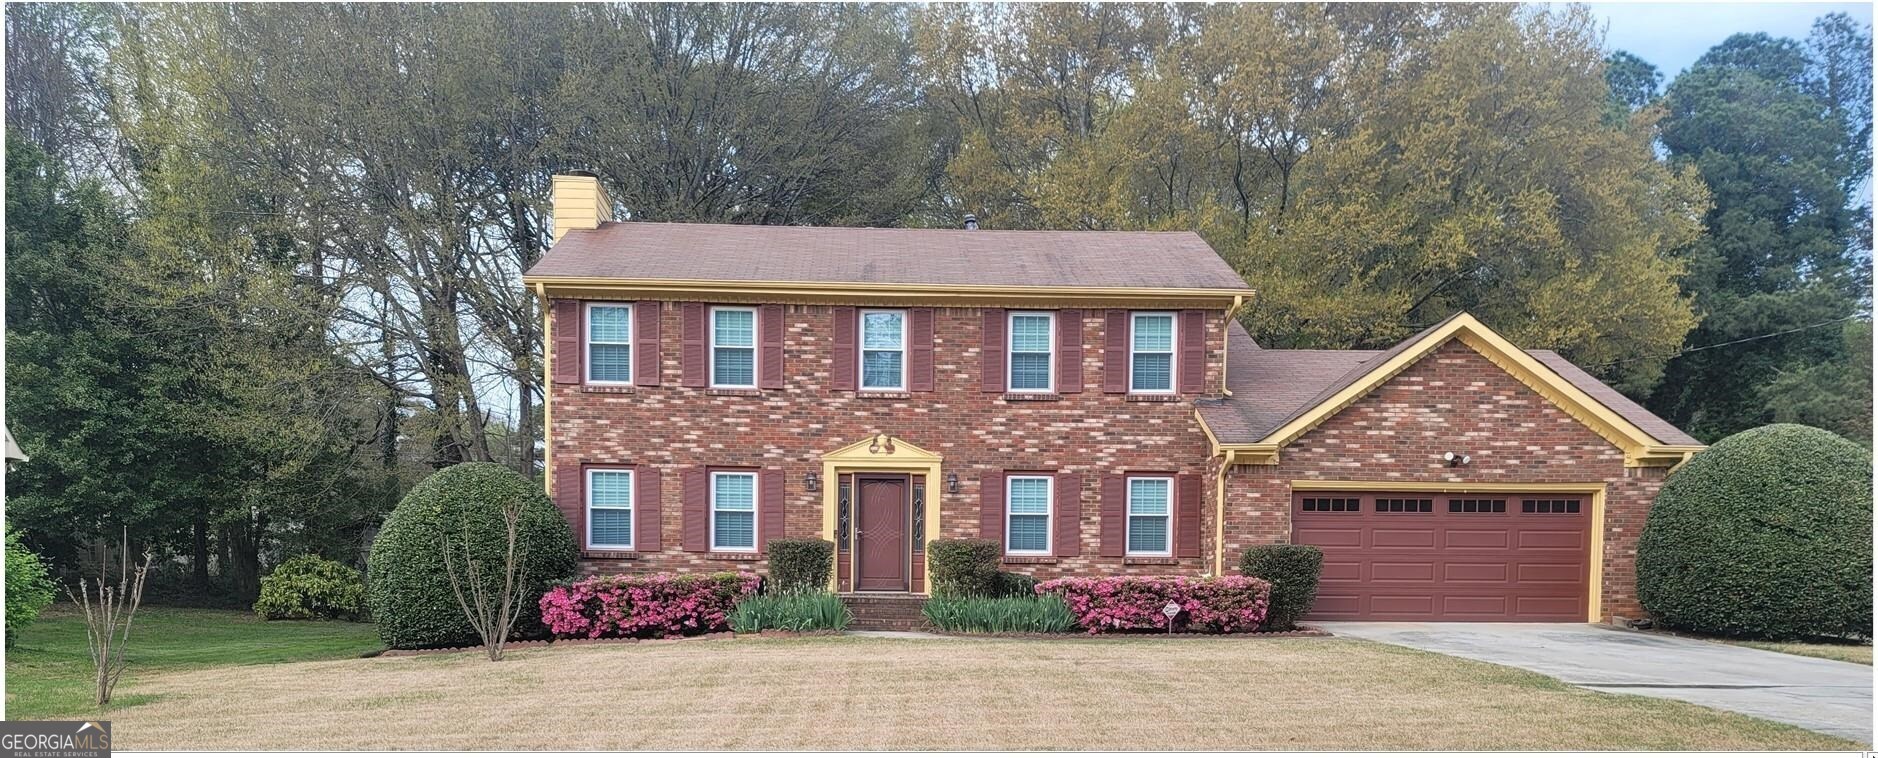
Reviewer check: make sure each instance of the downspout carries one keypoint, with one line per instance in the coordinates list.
(1219, 512)
(1679, 464)
(1225, 353)
(547, 392)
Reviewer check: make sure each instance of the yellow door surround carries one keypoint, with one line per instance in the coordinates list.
(880, 453)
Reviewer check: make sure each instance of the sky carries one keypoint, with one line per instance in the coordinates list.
(1673, 35)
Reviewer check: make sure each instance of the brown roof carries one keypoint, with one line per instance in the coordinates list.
(745, 253)
(1270, 388)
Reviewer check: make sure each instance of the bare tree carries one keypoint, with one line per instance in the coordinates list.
(108, 614)
(493, 615)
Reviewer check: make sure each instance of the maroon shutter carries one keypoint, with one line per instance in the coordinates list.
(770, 363)
(1187, 516)
(991, 507)
(568, 498)
(646, 343)
(1192, 351)
(992, 353)
(1114, 514)
(770, 508)
(843, 373)
(1068, 352)
(919, 375)
(697, 510)
(1115, 352)
(1068, 525)
(567, 342)
(692, 358)
(647, 535)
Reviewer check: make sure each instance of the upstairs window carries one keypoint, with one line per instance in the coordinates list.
(609, 343)
(733, 347)
(1150, 508)
(1031, 347)
(883, 350)
(1151, 353)
(610, 509)
(733, 511)
(1027, 515)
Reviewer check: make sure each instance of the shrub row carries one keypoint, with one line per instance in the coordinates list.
(1134, 603)
(666, 605)
(1036, 613)
(796, 611)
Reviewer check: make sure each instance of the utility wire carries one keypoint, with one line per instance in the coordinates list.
(1769, 335)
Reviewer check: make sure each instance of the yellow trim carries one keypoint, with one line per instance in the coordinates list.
(1595, 490)
(1219, 513)
(547, 391)
(884, 294)
(881, 452)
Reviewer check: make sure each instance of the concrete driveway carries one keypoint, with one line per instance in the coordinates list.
(1825, 696)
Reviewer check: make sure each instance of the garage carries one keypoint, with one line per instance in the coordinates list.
(1448, 556)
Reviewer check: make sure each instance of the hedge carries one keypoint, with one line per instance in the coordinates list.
(1293, 571)
(310, 587)
(1767, 534)
(663, 605)
(407, 588)
(800, 565)
(1137, 603)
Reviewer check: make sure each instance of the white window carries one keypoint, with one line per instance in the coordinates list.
(1032, 344)
(610, 509)
(1027, 502)
(883, 350)
(733, 347)
(609, 343)
(733, 511)
(1151, 356)
(1150, 509)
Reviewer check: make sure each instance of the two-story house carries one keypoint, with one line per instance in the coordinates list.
(1087, 399)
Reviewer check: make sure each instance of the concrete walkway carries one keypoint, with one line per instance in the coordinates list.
(1818, 694)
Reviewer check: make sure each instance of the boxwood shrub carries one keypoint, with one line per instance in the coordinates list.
(800, 565)
(1767, 534)
(310, 587)
(1293, 571)
(407, 589)
(964, 567)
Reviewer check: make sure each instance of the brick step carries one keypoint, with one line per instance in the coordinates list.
(885, 612)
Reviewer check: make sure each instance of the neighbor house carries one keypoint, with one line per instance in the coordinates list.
(1087, 399)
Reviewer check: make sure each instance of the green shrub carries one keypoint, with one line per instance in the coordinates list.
(1011, 584)
(964, 568)
(993, 615)
(798, 611)
(311, 587)
(1766, 535)
(408, 590)
(1293, 571)
(800, 565)
(28, 588)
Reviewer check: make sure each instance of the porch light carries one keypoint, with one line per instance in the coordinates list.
(952, 483)
(1457, 459)
(811, 482)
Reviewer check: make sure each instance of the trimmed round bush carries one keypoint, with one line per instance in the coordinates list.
(28, 588)
(1767, 534)
(800, 564)
(1293, 571)
(311, 587)
(964, 567)
(408, 589)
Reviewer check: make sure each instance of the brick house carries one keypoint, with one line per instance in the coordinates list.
(1086, 398)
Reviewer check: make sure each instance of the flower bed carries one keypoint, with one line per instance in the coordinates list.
(662, 605)
(1227, 604)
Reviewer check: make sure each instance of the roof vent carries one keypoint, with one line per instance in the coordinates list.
(971, 221)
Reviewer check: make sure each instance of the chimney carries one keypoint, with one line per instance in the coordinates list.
(579, 203)
(971, 221)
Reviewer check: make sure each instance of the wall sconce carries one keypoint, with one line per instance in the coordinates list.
(1457, 459)
(811, 482)
(952, 484)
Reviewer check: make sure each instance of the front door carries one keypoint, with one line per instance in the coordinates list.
(881, 532)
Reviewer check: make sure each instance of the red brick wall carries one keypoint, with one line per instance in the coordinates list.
(1454, 399)
(978, 433)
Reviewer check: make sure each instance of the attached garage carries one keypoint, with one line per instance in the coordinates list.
(1449, 556)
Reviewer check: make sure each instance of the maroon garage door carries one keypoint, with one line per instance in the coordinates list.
(1420, 556)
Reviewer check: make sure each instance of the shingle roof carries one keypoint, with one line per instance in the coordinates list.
(1650, 423)
(746, 253)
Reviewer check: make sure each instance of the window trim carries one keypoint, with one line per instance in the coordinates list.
(1173, 352)
(756, 505)
(631, 508)
(586, 343)
(1128, 516)
(756, 357)
(1049, 514)
(1010, 353)
(861, 350)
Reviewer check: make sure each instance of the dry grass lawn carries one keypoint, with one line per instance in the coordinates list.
(817, 693)
(1848, 652)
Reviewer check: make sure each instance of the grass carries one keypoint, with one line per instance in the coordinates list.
(48, 672)
(870, 693)
(1849, 652)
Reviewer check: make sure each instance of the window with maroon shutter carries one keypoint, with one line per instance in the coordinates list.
(610, 505)
(991, 353)
(991, 506)
(919, 355)
(1114, 519)
(1068, 352)
(646, 343)
(1067, 541)
(842, 374)
(569, 499)
(1192, 351)
(770, 509)
(692, 359)
(696, 509)
(647, 532)
(770, 363)
(1187, 516)
(1115, 353)
(567, 342)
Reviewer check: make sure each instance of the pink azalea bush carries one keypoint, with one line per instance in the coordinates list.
(664, 605)
(1134, 603)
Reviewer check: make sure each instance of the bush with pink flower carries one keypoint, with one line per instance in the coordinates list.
(654, 605)
(1134, 603)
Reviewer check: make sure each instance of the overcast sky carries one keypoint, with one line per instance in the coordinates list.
(1673, 35)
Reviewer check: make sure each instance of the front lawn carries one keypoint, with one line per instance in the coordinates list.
(48, 672)
(868, 693)
(1848, 652)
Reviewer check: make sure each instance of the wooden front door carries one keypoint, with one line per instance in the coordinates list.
(881, 532)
